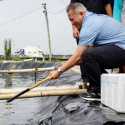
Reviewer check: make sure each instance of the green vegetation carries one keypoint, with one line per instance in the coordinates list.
(22, 58)
(8, 55)
(7, 49)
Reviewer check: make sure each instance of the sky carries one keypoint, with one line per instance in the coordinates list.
(24, 23)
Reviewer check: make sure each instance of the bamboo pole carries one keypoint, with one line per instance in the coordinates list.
(45, 88)
(60, 92)
(29, 88)
(27, 70)
(15, 61)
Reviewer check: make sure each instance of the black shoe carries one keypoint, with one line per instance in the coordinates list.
(91, 96)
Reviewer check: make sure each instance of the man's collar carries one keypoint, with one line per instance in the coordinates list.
(87, 13)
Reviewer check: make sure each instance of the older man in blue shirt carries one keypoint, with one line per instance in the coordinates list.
(101, 44)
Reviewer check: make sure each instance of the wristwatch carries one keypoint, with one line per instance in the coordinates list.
(59, 70)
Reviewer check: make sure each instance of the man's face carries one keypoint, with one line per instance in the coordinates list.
(76, 18)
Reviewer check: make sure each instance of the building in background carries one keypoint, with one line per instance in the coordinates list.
(33, 52)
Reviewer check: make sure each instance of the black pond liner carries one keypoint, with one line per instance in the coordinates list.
(71, 110)
(24, 65)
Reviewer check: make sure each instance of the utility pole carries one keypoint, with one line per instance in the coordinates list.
(48, 31)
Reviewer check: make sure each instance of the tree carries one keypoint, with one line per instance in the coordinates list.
(7, 49)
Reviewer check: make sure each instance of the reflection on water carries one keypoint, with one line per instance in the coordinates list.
(18, 112)
(8, 80)
(29, 111)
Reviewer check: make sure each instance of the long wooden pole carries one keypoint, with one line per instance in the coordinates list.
(28, 89)
(27, 70)
(59, 92)
(42, 88)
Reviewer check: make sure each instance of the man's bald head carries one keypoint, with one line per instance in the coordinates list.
(76, 7)
(76, 12)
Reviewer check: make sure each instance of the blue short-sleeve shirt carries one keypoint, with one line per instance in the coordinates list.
(99, 29)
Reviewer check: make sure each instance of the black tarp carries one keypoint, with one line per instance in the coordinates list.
(74, 110)
(70, 110)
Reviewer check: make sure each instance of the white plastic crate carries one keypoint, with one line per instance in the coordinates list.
(113, 91)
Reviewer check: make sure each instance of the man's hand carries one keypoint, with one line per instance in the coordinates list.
(54, 74)
(75, 32)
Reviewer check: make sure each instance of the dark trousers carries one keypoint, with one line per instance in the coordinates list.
(98, 59)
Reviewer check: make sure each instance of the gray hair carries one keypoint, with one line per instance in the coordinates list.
(76, 6)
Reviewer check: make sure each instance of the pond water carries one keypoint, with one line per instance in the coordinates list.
(28, 111)
(19, 111)
(40, 110)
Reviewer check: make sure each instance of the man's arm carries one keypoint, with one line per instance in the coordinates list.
(78, 55)
(76, 58)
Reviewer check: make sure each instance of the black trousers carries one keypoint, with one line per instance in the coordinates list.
(98, 59)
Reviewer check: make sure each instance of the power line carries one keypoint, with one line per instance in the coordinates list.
(19, 17)
(58, 12)
(29, 13)
(61, 10)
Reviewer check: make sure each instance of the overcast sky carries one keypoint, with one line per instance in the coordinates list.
(23, 21)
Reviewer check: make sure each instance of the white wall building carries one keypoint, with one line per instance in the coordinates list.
(33, 52)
